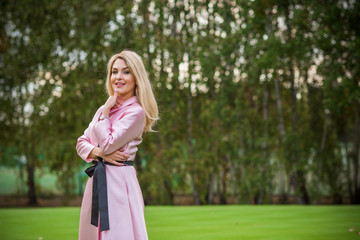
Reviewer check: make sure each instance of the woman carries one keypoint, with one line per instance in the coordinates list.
(113, 207)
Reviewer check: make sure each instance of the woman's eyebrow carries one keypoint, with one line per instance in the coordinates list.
(121, 69)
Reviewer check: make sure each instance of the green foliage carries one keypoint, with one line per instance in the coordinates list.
(256, 98)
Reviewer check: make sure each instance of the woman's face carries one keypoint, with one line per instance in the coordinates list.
(122, 80)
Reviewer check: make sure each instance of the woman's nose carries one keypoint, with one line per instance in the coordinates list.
(118, 76)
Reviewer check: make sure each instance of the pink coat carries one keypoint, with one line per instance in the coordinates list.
(122, 130)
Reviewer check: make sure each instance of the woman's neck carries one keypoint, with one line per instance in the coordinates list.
(121, 99)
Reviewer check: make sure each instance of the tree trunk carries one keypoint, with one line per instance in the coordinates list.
(264, 167)
(211, 189)
(232, 173)
(281, 125)
(355, 158)
(190, 147)
(30, 169)
(169, 191)
(348, 167)
(223, 183)
(298, 176)
(284, 196)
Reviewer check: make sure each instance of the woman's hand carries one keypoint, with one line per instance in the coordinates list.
(110, 158)
(110, 102)
(116, 156)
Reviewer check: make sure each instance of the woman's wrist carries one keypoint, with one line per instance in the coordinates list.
(96, 152)
(105, 112)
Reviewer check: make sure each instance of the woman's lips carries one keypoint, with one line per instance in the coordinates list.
(119, 85)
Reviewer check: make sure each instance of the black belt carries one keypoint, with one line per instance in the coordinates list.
(99, 192)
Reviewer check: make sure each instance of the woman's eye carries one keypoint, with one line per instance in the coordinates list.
(114, 72)
(127, 72)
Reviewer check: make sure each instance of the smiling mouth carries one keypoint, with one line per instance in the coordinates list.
(119, 84)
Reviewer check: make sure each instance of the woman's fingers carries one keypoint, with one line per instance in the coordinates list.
(125, 157)
(122, 156)
(111, 101)
(112, 161)
(117, 156)
(117, 163)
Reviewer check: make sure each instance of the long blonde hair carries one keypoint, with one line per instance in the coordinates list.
(143, 89)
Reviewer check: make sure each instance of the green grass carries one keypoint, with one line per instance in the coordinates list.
(197, 223)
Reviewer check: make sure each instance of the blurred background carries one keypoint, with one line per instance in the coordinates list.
(259, 100)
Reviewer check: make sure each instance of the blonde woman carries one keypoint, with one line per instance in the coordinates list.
(113, 206)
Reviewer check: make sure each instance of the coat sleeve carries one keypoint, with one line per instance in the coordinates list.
(112, 137)
(84, 145)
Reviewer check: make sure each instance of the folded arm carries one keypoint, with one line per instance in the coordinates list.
(112, 137)
(84, 146)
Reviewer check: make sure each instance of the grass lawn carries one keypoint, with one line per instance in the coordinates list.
(196, 223)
